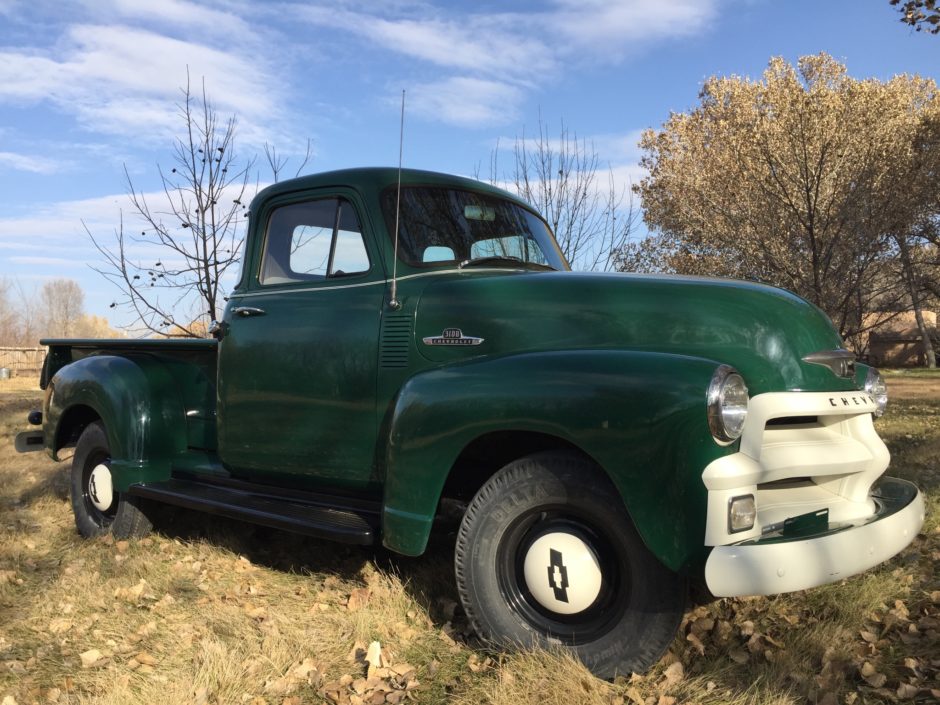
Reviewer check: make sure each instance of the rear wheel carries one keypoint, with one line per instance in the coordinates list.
(97, 507)
(547, 556)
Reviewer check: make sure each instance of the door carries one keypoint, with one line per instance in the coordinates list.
(297, 363)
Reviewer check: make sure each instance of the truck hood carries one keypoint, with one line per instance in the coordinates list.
(760, 330)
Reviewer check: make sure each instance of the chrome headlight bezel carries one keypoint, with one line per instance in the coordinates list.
(877, 389)
(727, 405)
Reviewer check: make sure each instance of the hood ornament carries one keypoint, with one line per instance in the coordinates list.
(840, 362)
(452, 336)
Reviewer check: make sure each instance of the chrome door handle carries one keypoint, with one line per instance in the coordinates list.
(246, 311)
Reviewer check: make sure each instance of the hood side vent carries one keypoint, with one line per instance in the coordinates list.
(395, 341)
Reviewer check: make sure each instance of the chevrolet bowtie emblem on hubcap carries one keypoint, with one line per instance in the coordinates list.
(92, 490)
(558, 576)
(452, 336)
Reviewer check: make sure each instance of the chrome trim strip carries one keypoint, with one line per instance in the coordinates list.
(382, 282)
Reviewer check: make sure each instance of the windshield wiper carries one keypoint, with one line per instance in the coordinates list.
(503, 259)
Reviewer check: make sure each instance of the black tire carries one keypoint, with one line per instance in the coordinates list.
(639, 604)
(124, 518)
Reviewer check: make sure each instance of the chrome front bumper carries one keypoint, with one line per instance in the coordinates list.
(775, 565)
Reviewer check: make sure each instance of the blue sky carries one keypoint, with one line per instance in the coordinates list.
(87, 87)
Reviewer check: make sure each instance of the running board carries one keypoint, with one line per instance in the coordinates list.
(277, 512)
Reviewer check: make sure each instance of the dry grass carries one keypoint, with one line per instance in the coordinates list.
(210, 611)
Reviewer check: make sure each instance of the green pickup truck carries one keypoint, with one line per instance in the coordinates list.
(610, 438)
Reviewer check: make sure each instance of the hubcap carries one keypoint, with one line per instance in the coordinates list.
(562, 573)
(100, 490)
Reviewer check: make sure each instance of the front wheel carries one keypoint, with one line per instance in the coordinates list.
(547, 556)
(97, 507)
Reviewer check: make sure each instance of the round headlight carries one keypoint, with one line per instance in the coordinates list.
(876, 388)
(727, 405)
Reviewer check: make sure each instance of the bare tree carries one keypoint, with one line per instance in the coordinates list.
(9, 321)
(61, 308)
(278, 162)
(27, 316)
(192, 236)
(560, 178)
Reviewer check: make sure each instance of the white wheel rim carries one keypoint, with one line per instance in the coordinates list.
(100, 489)
(562, 573)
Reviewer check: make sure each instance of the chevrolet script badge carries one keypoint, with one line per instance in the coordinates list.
(452, 336)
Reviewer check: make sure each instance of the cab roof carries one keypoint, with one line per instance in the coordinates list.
(378, 178)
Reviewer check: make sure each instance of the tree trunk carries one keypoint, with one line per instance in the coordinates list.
(912, 287)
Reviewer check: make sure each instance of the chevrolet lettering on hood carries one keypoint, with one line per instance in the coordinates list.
(855, 399)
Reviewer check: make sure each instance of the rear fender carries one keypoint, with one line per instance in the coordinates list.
(137, 400)
(640, 416)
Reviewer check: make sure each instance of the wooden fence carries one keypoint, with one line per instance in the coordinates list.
(22, 362)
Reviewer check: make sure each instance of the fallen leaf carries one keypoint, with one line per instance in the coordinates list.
(635, 696)
(90, 658)
(374, 655)
(674, 673)
(873, 678)
(907, 691)
(358, 599)
(146, 659)
(279, 686)
(403, 669)
(60, 626)
(305, 669)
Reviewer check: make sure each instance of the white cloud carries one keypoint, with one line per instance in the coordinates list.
(31, 163)
(48, 261)
(486, 43)
(506, 51)
(466, 102)
(120, 79)
(607, 30)
(179, 13)
(60, 224)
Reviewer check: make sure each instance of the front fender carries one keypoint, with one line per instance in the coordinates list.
(138, 402)
(641, 416)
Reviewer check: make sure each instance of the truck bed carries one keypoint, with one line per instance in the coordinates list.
(62, 351)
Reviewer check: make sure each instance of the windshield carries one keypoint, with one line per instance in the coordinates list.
(439, 225)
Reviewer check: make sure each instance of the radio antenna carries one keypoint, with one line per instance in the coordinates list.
(393, 302)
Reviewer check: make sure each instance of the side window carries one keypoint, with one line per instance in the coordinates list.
(313, 241)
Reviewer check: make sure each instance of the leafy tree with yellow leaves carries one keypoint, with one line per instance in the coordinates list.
(806, 179)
